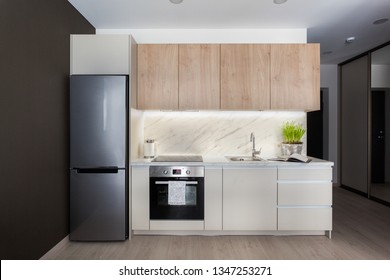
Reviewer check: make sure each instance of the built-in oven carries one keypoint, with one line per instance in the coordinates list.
(176, 192)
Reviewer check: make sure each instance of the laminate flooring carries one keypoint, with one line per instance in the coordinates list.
(381, 191)
(361, 230)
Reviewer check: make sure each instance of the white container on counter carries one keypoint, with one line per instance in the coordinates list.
(149, 148)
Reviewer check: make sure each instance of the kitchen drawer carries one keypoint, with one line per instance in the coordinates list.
(305, 174)
(305, 218)
(315, 193)
(176, 225)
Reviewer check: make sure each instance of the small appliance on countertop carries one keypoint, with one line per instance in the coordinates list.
(149, 148)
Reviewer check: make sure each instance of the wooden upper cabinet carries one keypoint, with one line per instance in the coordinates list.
(158, 77)
(229, 77)
(295, 77)
(245, 76)
(199, 77)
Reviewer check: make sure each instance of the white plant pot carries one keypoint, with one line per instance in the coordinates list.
(289, 149)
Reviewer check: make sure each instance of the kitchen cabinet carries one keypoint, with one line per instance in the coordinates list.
(184, 77)
(213, 198)
(295, 77)
(140, 198)
(199, 77)
(100, 54)
(158, 77)
(245, 76)
(229, 77)
(249, 198)
(305, 199)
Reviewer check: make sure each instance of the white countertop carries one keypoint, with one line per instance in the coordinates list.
(223, 161)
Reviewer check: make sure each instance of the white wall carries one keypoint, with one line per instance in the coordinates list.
(160, 36)
(329, 79)
(380, 76)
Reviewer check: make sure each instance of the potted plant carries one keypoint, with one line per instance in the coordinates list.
(292, 133)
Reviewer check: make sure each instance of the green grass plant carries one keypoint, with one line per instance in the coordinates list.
(293, 133)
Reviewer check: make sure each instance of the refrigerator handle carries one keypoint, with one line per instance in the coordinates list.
(98, 170)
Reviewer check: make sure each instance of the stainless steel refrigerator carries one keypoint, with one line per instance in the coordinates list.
(98, 158)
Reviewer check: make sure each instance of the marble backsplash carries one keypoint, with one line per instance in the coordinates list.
(218, 133)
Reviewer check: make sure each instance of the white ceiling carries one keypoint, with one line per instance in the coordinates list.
(328, 22)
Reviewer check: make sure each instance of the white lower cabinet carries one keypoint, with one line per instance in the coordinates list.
(249, 198)
(140, 198)
(305, 199)
(305, 218)
(213, 198)
(171, 225)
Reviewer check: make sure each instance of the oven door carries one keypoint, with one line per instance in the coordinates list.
(176, 198)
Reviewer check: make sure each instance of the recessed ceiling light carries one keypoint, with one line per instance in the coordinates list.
(176, 1)
(350, 40)
(280, 1)
(380, 21)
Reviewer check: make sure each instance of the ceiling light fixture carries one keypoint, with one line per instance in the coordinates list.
(380, 21)
(280, 1)
(350, 40)
(176, 1)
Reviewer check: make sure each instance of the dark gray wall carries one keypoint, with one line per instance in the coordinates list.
(34, 71)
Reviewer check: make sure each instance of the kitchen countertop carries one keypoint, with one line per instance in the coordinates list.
(223, 161)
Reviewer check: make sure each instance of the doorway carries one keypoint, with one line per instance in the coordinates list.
(380, 125)
(317, 128)
(380, 145)
(378, 137)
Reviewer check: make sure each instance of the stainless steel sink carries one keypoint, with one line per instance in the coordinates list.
(244, 158)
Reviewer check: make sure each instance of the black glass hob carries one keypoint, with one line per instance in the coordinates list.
(178, 158)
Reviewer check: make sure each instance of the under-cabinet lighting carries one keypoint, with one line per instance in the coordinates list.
(280, 1)
(176, 1)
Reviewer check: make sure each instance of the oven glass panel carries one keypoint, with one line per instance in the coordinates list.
(163, 196)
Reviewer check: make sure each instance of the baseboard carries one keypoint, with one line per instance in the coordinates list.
(386, 203)
(355, 191)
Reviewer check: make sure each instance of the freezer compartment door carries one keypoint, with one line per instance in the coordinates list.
(98, 206)
(98, 121)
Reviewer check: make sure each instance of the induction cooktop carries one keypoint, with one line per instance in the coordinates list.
(178, 158)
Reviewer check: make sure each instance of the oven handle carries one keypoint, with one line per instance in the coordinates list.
(166, 182)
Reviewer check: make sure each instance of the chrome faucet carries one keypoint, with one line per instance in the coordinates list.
(255, 153)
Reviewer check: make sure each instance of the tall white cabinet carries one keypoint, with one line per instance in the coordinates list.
(111, 55)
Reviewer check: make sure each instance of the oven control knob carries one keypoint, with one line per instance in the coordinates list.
(165, 172)
(188, 172)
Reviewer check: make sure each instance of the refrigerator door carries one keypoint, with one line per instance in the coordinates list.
(98, 120)
(98, 206)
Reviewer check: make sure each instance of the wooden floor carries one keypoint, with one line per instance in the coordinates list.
(381, 191)
(361, 230)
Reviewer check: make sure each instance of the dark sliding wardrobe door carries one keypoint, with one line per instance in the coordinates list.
(355, 88)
